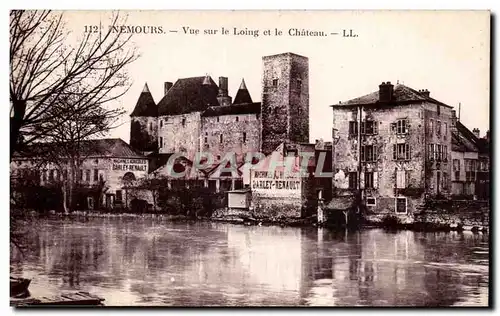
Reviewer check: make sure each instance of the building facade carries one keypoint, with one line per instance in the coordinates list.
(392, 148)
(105, 167)
(197, 115)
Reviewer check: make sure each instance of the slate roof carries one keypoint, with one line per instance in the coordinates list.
(189, 95)
(245, 108)
(145, 105)
(242, 96)
(106, 147)
(401, 95)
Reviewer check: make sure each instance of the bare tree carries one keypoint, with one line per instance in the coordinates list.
(68, 140)
(45, 70)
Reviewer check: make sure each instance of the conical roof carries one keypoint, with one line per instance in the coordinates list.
(145, 105)
(242, 96)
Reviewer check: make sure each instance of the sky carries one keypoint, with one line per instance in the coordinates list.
(446, 52)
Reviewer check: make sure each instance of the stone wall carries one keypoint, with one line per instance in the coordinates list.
(144, 133)
(285, 100)
(455, 213)
(240, 134)
(444, 214)
(180, 133)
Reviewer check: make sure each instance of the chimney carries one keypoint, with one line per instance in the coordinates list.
(475, 131)
(426, 93)
(453, 118)
(223, 97)
(385, 92)
(167, 87)
(222, 87)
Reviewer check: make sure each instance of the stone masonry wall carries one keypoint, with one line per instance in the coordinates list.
(144, 133)
(180, 133)
(384, 167)
(285, 100)
(232, 129)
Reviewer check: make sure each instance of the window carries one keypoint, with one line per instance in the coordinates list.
(299, 84)
(368, 180)
(353, 128)
(402, 126)
(401, 179)
(470, 170)
(161, 123)
(368, 128)
(368, 153)
(161, 142)
(96, 175)
(431, 127)
(221, 139)
(275, 82)
(445, 153)
(456, 169)
(430, 152)
(438, 108)
(445, 127)
(401, 152)
(400, 205)
(218, 157)
(371, 201)
(206, 138)
(237, 118)
(438, 128)
(217, 119)
(244, 137)
(353, 180)
(184, 122)
(118, 197)
(96, 161)
(150, 126)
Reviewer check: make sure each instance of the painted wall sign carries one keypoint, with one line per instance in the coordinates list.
(130, 165)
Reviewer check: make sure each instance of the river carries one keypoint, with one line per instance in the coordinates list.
(154, 262)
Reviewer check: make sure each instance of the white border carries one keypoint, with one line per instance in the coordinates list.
(494, 5)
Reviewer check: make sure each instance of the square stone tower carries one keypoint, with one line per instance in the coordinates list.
(285, 100)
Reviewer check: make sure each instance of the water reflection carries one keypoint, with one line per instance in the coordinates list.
(146, 262)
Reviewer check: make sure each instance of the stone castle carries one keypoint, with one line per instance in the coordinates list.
(197, 115)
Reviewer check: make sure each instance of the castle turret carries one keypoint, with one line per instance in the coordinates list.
(144, 125)
(242, 96)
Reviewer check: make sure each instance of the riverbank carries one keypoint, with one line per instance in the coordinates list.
(244, 218)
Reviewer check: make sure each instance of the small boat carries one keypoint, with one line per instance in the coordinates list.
(66, 299)
(19, 287)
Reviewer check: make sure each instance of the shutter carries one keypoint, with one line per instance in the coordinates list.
(375, 180)
(394, 152)
(407, 152)
(375, 153)
(363, 124)
(361, 180)
(375, 127)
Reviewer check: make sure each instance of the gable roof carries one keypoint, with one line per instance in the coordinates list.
(105, 147)
(189, 95)
(145, 105)
(401, 95)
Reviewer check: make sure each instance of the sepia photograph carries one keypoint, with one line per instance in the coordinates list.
(250, 158)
